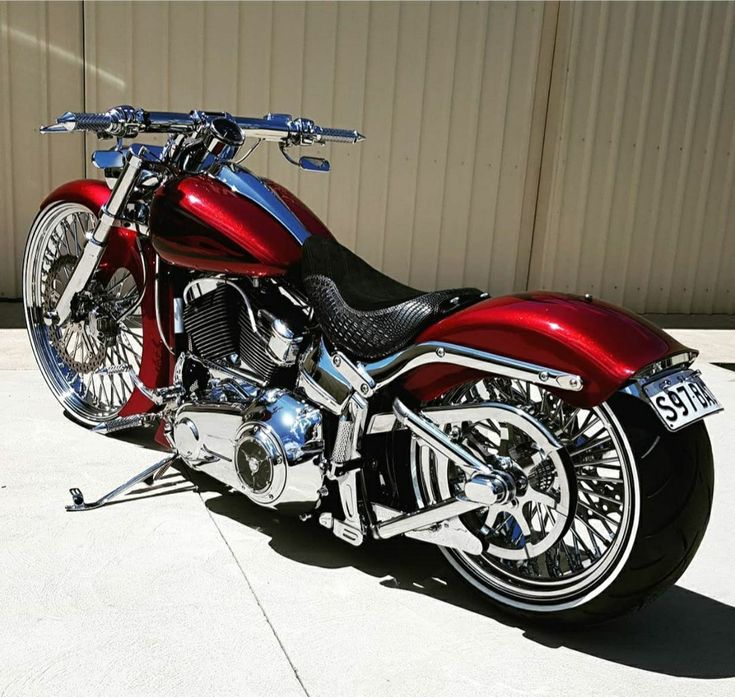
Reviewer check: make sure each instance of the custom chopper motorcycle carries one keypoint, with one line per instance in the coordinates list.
(552, 446)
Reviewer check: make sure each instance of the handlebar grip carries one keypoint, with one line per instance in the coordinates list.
(339, 135)
(89, 121)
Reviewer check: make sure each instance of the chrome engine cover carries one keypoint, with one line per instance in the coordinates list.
(270, 449)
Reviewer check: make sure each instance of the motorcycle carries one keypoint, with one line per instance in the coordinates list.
(551, 446)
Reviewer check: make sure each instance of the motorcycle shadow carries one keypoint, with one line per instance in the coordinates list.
(682, 634)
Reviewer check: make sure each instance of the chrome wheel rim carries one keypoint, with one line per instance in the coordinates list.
(587, 557)
(71, 358)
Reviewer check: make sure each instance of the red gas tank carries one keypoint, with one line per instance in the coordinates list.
(233, 222)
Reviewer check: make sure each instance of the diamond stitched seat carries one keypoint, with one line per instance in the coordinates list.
(364, 312)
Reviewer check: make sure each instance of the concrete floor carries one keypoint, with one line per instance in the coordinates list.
(181, 592)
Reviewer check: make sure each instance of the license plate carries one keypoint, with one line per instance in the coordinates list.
(681, 398)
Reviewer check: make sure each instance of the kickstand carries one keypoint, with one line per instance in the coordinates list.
(148, 476)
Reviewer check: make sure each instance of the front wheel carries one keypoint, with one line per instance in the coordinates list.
(601, 529)
(105, 328)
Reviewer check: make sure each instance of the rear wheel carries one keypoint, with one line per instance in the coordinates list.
(605, 531)
(105, 328)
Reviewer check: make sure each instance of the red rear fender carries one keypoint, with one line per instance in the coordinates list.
(602, 343)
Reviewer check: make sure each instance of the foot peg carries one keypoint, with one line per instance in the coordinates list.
(148, 475)
(123, 423)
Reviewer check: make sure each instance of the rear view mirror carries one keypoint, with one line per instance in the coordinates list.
(314, 164)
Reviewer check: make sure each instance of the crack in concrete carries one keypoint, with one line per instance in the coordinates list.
(257, 599)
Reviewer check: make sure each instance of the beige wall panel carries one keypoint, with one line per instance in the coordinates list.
(379, 89)
(635, 202)
(634, 141)
(40, 77)
(446, 93)
(504, 179)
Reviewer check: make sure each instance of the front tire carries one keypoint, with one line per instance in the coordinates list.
(106, 333)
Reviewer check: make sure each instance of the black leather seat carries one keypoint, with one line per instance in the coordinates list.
(364, 312)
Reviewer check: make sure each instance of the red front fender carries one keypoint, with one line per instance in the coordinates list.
(88, 192)
(121, 250)
(602, 343)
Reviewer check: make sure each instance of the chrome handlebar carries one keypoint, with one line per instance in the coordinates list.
(127, 122)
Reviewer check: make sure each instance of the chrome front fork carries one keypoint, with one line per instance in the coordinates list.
(95, 247)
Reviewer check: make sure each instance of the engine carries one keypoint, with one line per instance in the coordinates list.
(266, 443)
(255, 328)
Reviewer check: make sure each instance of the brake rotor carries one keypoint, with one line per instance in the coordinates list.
(79, 347)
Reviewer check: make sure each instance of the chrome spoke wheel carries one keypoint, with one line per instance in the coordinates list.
(571, 526)
(105, 329)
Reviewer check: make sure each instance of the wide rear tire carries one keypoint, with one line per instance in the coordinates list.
(676, 479)
(640, 503)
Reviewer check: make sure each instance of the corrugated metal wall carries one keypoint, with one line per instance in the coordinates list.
(41, 72)
(610, 173)
(439, 193)
(636, 197)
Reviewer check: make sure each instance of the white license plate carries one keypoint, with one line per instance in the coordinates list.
(681, 398)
